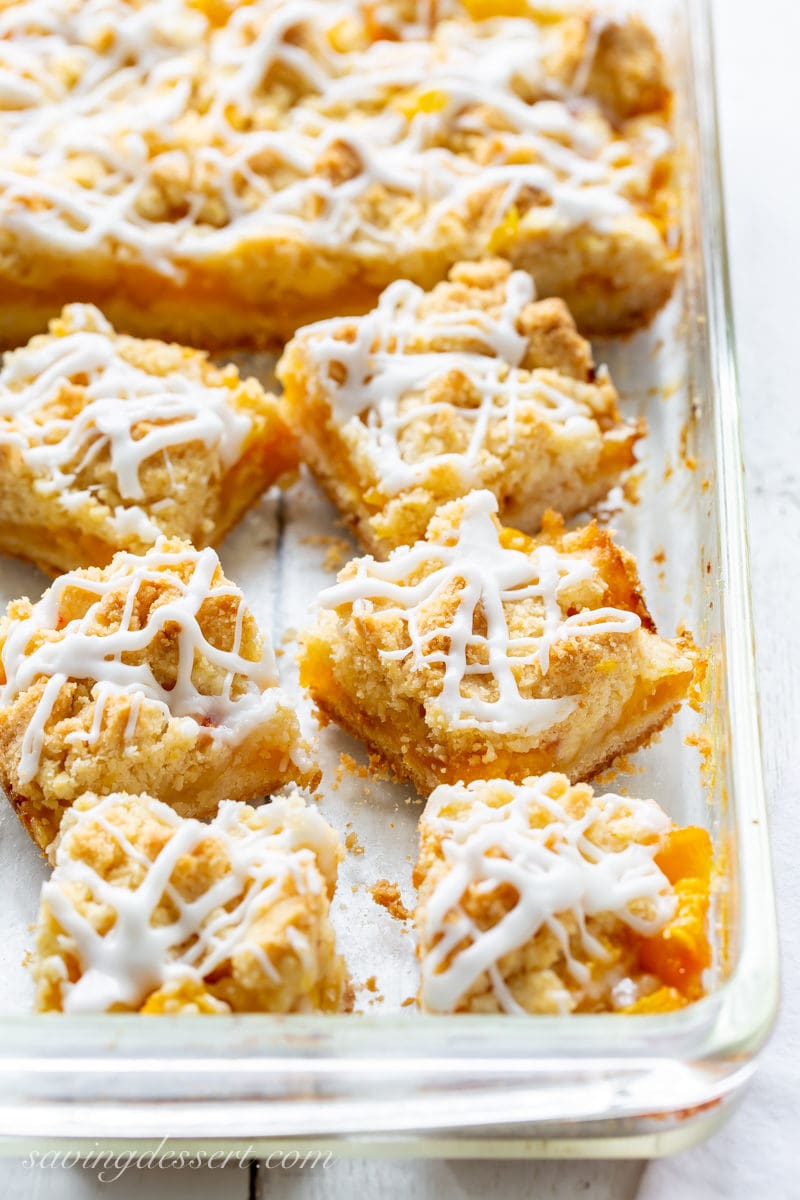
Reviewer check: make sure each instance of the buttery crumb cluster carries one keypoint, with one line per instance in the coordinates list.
(403, 180)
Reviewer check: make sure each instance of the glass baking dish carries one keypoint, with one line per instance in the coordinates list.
(389, 1080)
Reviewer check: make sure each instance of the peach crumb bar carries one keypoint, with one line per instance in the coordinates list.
(541, 897)
(107, 442)
(152, 912)
(474, 384)
(220, 174)
(150, 674)
(483, 652)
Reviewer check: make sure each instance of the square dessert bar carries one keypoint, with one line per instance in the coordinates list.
(151, 912)
(433, 394)
(107, 442)
(481, 652)
(148, 675)
(540, 897)
(220, 174)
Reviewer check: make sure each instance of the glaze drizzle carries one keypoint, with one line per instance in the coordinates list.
(487, 577)
(556, 868)
(85, 649)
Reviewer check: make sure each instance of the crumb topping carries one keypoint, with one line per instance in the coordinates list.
(170, 131)
(144, 899)
(519, 860)
(166, 627)
(86, 411)
(472, 611)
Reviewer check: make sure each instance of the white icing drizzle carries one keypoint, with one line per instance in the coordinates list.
(556, 870)
(127, 97)
(248, 695)
(136, 956)
(488, 577)
(385, 367)
(126, 411)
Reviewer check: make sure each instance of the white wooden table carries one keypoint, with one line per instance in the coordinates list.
(754, 1156)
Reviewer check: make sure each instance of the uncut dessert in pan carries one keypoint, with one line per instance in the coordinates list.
(220, 174)
(222, 723)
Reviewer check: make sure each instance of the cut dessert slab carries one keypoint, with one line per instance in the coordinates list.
(107, 442)
(474, 384)
(221, 174)
(151, 912)
(541, 897)
(148, 675)
(481, 652)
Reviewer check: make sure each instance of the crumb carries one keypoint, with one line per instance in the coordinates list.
(388, 896)
(320, 717)
(337, 550)
(660, 555)
(349, 766)
(689, 461)
(700, 740)
(336, 556)
(670, 389)
(624, 765)
(371, 984)
(408, 1000)
(380, 770)
(352, 843)
(632, 486)
(703, 743)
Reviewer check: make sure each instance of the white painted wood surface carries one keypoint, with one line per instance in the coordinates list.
(755, 1154)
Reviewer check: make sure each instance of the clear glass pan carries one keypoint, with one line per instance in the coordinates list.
(591, 1085)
